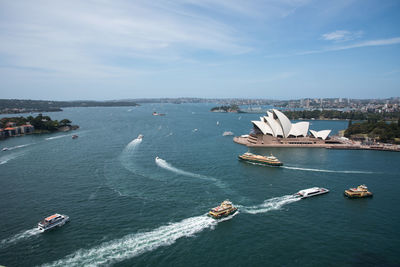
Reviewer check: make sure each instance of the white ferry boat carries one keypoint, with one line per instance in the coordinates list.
(310, 192)
(52, 221)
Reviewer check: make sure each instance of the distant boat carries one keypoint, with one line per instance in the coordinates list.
(5, 149)
(74, 136)
(140, 137)
(158, 114)
(310, 192)
(217, 122)
(195, 130)
(228, 133)
(52, 221)
(258, 159)
(359, 192)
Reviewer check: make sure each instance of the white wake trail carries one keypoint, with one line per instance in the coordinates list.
(165, 165)
(136, 244)
(19, 237)
(20, 146)
(7, 158)
(270, 204)
(59, 136)
(322, 170)
(133, 144)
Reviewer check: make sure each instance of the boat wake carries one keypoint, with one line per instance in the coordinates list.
(133, 144)
(59, 136)
(270, 204)
(322, 170)
(7, 158)
(19, 237)
(20, 146)
(136, 244)
(165, 165)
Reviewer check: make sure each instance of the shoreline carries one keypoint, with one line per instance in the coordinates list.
(394, 148)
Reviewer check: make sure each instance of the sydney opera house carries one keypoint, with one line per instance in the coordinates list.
(275, 129)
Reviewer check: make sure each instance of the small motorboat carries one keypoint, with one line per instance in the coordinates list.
(5, 149)
(52, 221)
(140, 137)
(228, 133)
(74, 136)
(310, 192)
(359, 192)
(225, 209)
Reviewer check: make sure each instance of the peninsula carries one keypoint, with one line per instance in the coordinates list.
(231, 108)
(18, 126)
(276, 130)
(13, 106)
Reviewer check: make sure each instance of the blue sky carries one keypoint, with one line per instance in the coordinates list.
(276, 49)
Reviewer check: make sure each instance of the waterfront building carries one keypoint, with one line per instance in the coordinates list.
(275, 129)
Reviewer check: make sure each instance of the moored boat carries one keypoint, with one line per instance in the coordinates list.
(270, 160)
(310, 192)
(225, 209)
(359, 192)
(52, 221)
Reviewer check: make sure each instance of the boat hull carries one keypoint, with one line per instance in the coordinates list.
(222, 214)
(263, 162)
(59, 224)
(350, 194)
(324, 191)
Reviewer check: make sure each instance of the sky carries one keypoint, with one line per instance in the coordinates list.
(271, 49)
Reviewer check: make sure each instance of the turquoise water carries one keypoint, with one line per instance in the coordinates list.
(128, 209)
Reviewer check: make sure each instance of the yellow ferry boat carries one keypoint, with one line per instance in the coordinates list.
(270, 160)
(225, 209)
(359, 192)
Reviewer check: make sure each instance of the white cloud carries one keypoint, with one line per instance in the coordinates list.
(341, 35)
(380, 42)
(107, 36)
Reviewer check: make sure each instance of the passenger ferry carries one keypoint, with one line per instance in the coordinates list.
(52, 221)
(225, 209)
(310, 192)
(270, 160)
(359, 192)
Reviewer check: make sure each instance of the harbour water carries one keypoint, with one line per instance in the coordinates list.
(129, 209)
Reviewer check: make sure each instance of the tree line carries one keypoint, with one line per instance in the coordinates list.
(40, 122)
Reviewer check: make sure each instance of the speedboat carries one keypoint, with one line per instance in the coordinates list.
(52, 221)
(5, 149)
(225, 209)
(74, 136)
(140, 136)
(270, 160)
(310, 192)
(359, 192)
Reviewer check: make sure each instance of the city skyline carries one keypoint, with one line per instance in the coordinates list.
(288, 49)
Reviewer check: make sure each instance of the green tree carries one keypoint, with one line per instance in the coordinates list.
(65, 122)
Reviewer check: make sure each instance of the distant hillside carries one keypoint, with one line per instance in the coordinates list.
(12, 106)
